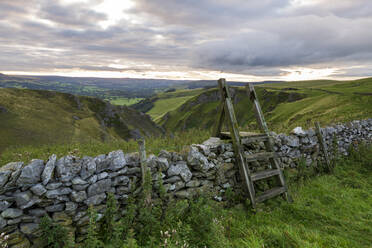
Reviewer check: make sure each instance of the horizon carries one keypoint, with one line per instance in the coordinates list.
(286, 40)
(139, 78)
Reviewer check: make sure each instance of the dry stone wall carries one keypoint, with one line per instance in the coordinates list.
(63, 188)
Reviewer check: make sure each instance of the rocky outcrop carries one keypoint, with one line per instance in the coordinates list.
(64, 188)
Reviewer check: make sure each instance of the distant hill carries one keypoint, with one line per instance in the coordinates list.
(105, 88)
(285, 105)
(36, 117)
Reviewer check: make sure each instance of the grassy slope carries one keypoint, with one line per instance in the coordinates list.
(124, 101)
(326, 101)
(328, 211)
(44, 117)
(168, 101)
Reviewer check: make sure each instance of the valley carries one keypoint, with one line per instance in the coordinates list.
(38, 117)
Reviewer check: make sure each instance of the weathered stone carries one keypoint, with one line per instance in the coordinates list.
(52, 186)
(68, 167)
(88, 167)
(118, 173)
(11, 213)
(185, 194)
(193, 184)
(180, 169)
(71, 207)
(38, 189)
(22, 198)
(29, 228)
(100, 187)
(133, 171)
(2, 223)
(79, 187)
(95, 199)
(292, 141)
(227, 155)
(78, 196)
(83, 221)
(31, 173)
(62, 218)
(116, 160)
(165, 154)
(198, 161)
(38, 212)
(79, 215)
(14, 221)
(78, 180)
(204, 149)
(156, 163)
(55, 208)
(32, 202)
(176, 157)
(93, 179)
(158, 176)
(51, 194)
(4, 204)
(226, 186)
(4, 176)
(179, 185)
(172, 179)
(122, 190)
(298, 131)
(102, 175)
(48, 171)
(101, 162)
(121, 180)
(169, 187)
(15, 169)
(213, 142)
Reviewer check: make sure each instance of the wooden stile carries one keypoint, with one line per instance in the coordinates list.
(226, 111)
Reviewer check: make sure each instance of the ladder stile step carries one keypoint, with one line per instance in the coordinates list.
(260, 156)
(270, 194)
(264, 174)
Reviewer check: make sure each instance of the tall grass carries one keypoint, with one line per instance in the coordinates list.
(170, 142)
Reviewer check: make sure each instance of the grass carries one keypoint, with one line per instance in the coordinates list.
(328, 211)
(124, 101)
(162, 106)
(169, 101)
(170, 142)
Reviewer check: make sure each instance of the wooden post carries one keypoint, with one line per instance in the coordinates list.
(234, 132)
(221, 110)
(142, 152)
(259, 115)
(323, 145)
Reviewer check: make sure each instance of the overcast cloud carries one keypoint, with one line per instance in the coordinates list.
(256, 39)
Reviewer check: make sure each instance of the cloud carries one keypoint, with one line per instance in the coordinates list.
(256, 37)
(289, 43)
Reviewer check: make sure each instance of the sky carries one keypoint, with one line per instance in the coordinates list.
(244, 40)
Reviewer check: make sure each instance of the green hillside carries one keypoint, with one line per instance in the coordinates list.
(35, 117)
(164, 102)
(285, 105)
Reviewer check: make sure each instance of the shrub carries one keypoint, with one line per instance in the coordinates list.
(53, 234)
(92, 240)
